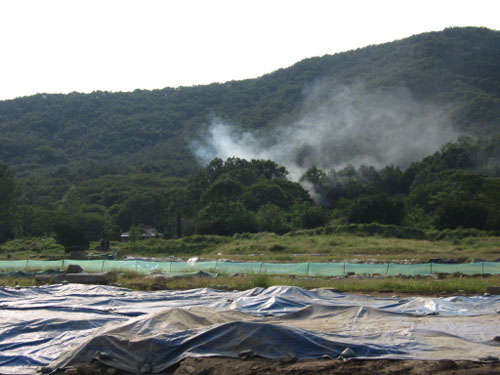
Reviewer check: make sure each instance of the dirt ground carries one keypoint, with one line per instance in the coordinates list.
(213, 366)
(261, 366)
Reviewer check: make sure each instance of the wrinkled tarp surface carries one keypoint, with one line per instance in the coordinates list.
(62, 325)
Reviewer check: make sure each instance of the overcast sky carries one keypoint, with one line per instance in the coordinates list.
(60, 46)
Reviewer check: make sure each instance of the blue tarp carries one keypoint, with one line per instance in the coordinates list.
(64, 325)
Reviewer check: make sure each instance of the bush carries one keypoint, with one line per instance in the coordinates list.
(226, 219)
(314, 217)
(70, 236)
(452, 214)
(277, 248)
(376, 209)
(271, 218)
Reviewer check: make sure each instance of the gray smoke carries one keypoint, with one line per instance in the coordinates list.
(338, 126)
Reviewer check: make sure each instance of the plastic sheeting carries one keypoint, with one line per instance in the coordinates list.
(298, 269)
(63, 325)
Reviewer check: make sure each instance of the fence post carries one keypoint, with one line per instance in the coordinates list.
(307, 273)
(102, 267)
(344, 268)
(136, 262)
(216, 263)
(27, 260)
(260, 269)
(387, 269)
(62, 265)
(482, 268)
(431, 267)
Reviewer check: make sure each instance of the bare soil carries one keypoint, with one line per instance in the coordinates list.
(261, 366)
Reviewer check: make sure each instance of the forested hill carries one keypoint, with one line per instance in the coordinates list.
(89, 135)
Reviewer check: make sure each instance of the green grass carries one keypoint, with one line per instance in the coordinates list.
(415, 285)
(336, 243)
(270, 247)
(12, 281)
(32, 248)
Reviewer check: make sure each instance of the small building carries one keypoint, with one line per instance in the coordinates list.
(146, 234)
(151, 233)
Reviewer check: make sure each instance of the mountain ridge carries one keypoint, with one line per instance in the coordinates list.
(149, 131)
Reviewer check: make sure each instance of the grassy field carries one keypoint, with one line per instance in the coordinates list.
(366, 243)
(422, 285)
(31, 248)
(374, 243)
(415, 285)
(321, 247)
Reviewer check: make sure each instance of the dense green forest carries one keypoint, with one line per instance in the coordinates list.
(93, 165)
(235, 196)
(149, 131)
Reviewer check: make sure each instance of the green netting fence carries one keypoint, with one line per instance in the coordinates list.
(297, 269)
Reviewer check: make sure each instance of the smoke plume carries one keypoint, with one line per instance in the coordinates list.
(338, 126)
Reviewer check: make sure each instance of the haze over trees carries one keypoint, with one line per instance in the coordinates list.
(403, 133)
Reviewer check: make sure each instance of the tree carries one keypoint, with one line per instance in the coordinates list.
(454, 214)
(37, 220)
(261, 193)
(226, 219)
(70, 210)
(375, 209)
(490, 198)
(70, 236)
(224, 190)
(271, 218)
(446, 186)
(391, 181)
(314, 175)
(134, 234)
(147, 209)
(314, 217)
(9, 199)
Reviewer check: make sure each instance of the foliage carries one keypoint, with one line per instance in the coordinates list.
(305, 215)
(70, 236)
(459, 199)
(103, 162)
(271, 217)
(9, 199)
(237, 196)
(375, 209)
(134, 234)
(225, 219)
(82, 136)
(231, 196)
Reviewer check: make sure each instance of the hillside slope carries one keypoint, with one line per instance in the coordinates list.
(150, 131)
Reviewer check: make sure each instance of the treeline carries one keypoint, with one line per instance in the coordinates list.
(444, 190)
(224, 198)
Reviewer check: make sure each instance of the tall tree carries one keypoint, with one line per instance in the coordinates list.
(9, 199)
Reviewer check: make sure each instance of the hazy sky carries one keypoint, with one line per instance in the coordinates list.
(60, 46)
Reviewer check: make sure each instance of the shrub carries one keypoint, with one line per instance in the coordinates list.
(376, 208)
